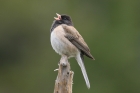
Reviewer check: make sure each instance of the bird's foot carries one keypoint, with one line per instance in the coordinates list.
(64, 64)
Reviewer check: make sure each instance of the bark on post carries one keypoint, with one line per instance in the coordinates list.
(64, 80)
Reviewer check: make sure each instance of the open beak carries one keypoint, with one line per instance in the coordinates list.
(58, 17)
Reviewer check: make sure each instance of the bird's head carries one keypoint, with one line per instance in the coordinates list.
(63, 19)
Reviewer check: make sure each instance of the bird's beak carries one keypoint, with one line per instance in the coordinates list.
(58, 17)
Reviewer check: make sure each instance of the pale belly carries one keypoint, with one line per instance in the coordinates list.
(61, 44)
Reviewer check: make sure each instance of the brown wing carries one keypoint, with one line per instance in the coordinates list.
(76, 39)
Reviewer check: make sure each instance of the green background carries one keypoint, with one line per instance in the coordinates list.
(111, 29)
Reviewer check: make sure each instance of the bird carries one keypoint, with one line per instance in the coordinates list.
(66, 40)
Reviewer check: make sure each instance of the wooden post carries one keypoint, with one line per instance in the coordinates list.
(64, 80)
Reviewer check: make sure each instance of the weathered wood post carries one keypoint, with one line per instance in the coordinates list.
(64, 80)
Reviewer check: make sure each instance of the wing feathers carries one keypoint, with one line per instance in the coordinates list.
(76, 39)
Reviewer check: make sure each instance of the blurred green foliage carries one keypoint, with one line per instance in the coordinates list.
(111, 28)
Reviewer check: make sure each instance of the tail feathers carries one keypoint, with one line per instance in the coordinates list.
(81, 64)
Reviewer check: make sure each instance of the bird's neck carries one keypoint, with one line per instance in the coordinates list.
(54, 25)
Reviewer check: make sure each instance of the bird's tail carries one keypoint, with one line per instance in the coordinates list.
(81, 64)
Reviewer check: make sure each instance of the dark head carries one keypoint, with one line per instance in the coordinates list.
(61, 19)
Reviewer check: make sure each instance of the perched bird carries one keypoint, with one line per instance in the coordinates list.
(66, 40)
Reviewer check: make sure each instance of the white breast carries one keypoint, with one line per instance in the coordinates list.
(61, 44)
